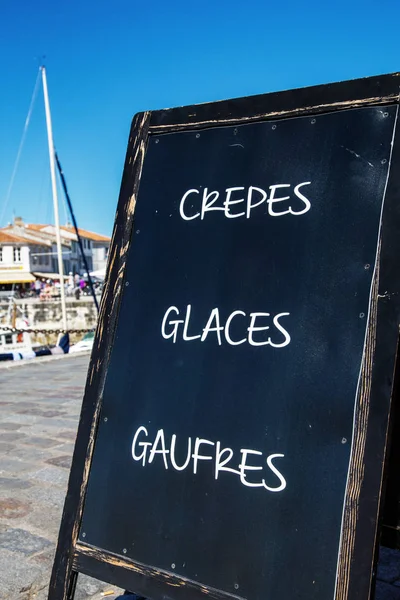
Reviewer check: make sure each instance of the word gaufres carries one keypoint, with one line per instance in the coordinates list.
(247, 467)
(238, 202)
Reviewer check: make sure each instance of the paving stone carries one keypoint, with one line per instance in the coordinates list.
(22, 405)
(6, 447)
(21, 419)
(3, 527)
(10, 426)
(44, 495)
(32, 454)
(386, 591)
(388, 569)
(45, 521)
(20, 540)
(87, 587)
(43, 412)
(12, 483)
(16, 575)
(40, 430)
(388, 572)
(44, 558)
(66, 448)
(68, 435)
(388, 555)
(53, 400)
(11, 436)
(11, 466)
(40, 442)
(61, 461)
(44, 593)
(54, 475)
(57, 423)
(10, 508)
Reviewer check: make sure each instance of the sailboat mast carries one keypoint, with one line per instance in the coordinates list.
(55, 200)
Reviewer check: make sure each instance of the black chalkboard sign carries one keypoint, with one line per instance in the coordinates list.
(235, 418)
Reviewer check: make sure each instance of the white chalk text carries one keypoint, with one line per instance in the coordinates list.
(254, 326)
(236, 202)
(251, 467)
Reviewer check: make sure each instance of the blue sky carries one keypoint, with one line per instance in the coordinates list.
(108, 60)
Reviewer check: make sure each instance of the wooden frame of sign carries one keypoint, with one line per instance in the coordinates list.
(359, 532)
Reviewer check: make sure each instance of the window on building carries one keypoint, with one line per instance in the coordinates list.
(17, 255)
(1, 254)
(46, 258)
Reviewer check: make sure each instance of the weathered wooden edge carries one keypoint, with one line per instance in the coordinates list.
(360, 527)
(143, 579)
(63, 579)
(382, 383)
(370, 91)
(357, 465)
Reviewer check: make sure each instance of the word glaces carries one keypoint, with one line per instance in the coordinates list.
(254, 327)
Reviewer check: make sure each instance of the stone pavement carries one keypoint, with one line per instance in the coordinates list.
(388, 575)
(39, 410)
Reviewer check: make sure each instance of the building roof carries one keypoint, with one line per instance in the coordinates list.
(96, 237)
(10, 238)
(35, 226)
(28, 236)
(48, 231)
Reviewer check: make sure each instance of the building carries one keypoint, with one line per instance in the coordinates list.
(21, 257)
(29, 250)
(95, 247)
(98, 244)
(14, 261)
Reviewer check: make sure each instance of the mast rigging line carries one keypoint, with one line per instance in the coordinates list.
(21, 145)
(68, 199)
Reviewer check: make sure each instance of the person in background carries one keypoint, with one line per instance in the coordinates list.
(70, 284)
(38, 286)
